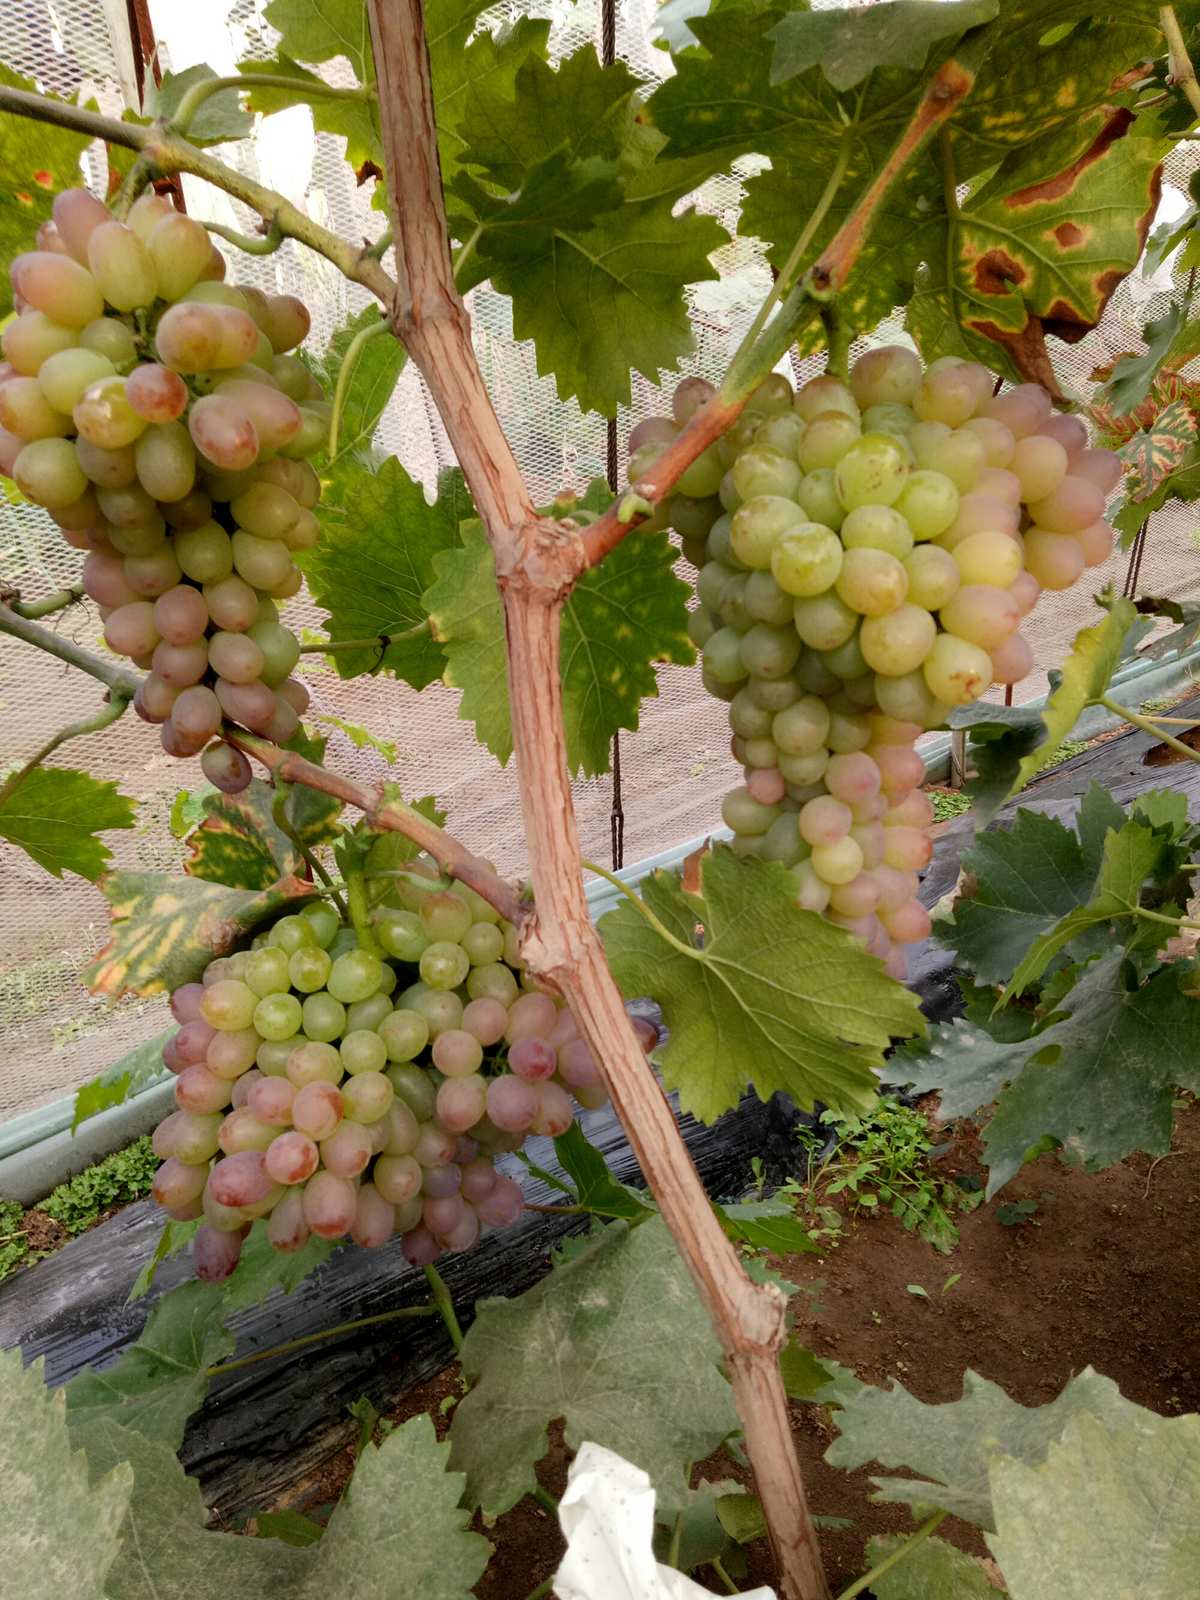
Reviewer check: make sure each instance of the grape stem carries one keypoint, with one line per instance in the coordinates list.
(385, 810)
(349, 361)
(315, 1338)
(303, 88)
(636, 900)
(445, 1305)
(31, 610)
(359, 908)
(285, 825)
(262, 244)
(1182, 72)
(108, 672)
(108, 714)
(945, 91)
(1147, 725)
(886, 1565)
(330, 647)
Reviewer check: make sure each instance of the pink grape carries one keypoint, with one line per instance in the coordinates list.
(434, 1146)
(577, 1065)
(179, 665)
(242, 1087)
(478, 1179)
(1012, 660)
(398, 1178)
(317, 1110)
(420, 1248)
(440, 1215)
(464, 1235)
(851, 777)
(530, 1016)
(1103, 468)
(58, 286)
(241, 1179)
(1056, 560)
(894, 887)
(1025, 590)
(908, 924)
(1070, 432)
(461, 1102)
(825, 820)
(270, 1099)
(908, 849)
(440, 1182)
(1074, 505)
(347, 1150)
(194, 1037)
(554, 1114)
(286, 1227)
(1096, 542)
(225, 768)
(223, 432)
(216, 1253)
(858, 898)
(503, 1206)
(914, 811)
(176, 1183)
(330, 1205)
(374, 1218)
(900, 767)
(485, 1019)
(200, 1090)
(291, 1157)
(156, 393)
(511, 1103)
(532, 1058)
(185, 1002)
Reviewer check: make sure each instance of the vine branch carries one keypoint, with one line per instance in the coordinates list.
(118, 679)
(107, 714)
(1180, 69)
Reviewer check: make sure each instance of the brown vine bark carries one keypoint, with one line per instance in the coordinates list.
(537, 561)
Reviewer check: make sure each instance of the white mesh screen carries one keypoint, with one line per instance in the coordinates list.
(674, 768)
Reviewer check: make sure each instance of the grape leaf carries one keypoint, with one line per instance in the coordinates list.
(165, 930)
(1132, 376)
(158, 1382)
(1000, 739)
(401, 1513)
(767, 1225)
(617, 1345)
(311, 814)
(261, 1269)
(36, 161)
(238, 843)
(219, 119)
(621, 618)
(1027, 877)
(820, 1382)
(61, 1534)
(128, 1076)
(595, 1186)
(372, 381)
(933, 1570)
(54, 815)
(167, 1552)
(1131, 854)
(380, 538)
(1086, 674)
(391, 850)
(849, 44)
(1099, 1079)
(776, 997)
(349, 117)
(1155, 454)
(952, 1446)
(1113, 1509)
(321, 30)
(175, 1236)
(361, 738)
(463, 73)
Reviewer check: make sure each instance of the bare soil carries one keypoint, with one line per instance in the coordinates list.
(1104, 1273)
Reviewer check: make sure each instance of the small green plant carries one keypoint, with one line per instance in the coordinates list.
(123, 1176)
(1069, 749)
(14, 1247)
(1015, 1212)
(948, 803)
(883, 1160)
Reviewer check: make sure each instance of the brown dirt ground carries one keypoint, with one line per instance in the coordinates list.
(1106, 1272)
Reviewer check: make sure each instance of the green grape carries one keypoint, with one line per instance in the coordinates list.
(404, 1033)
(806, 768)
(770, 652)
(166, 461)
(827, 438)
(479, 908)
(960, 455)
(64, 377)
(110, 337)
(278, 1016)
(719, 545)
(761, 471)
(441, 1008)
(824, 621)
(801, 728)
(890, 375)
(267, 971)
(703, 476)
(369, 1013)
(824, 394)
(765, 601)
(741, 812)
(493, 982)
(104, 415)
(266, 510)
(781, 432)
(121, 266)
(280, 649)
(31, 339)
(363, 1051)
(747, 719)
(813, 676)
(710, 583)
(896, 420)
(273, 1055)
(292, 933)
(899, 641)
(308, 968)
(932, 576)
(483, 943)
(846, 660)
(957, 671)
(444, 965)
(758, 525)
(871, 581)
(928, 503)
(806, 560)
(401, 935)
(415, 1088)
(848, 731)
(872, 472)
(354, 976)
(263, 563)
(228, 1005)
(314, 1061)
(693, 518)
(723, 657)
(444, 916)
(47, 471)
(771, 398)
(324, 922)
(324, 1018)
(877, 528)
(818, 498)
(908, 698)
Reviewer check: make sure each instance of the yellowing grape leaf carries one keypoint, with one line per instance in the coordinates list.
(165, 930)
(848, 44)
(376, 558)
(401, 1514)
(55, 813)
(158, 1382)
(953, 1446)
(622, 617)
(36, 161)
(1099, 1101)
(1113, 1509)
(167, 1551)
(776, 997)
(615, 1344)
(61, 1533)
(238, 843)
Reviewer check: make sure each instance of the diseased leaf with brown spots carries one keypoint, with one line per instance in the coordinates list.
(1153, 454)
(1040, 248)
(167, 929)
(238, 843)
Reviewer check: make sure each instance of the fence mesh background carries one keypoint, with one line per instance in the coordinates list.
(53, 1036)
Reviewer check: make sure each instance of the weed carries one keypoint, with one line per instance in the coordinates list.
(948, 803)
(1014, 1212)
(1069, 749)
(14, 1247)
(882, 1160)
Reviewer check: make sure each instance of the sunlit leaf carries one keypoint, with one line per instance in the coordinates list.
(54, 814)
(933, 1570)
(849, 44)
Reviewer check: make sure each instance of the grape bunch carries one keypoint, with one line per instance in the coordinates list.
(156, 414)
(345, 1093)
(866, 553)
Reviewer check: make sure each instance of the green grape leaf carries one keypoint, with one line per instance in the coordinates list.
(380, 539)
(933, 1570)
(391, 850)
(238, 843)
(466, 74)
(595, 1186)
(952, 1446)
(36, 161)
(1132, 376)
(290, 1527)
(158, 1382)
(369, 387)
(849, 44)
(165, 930)
(621, 618)
(54, 815)
(805, 1377)
(349, 117)
(311, 814)
(219, 119)
(1132, 854)
(1000, 739)
(61, 1533)
(322, 30)
(261, 1269)
(1086, 674)
(617, 1345)
(175, 1236)
(1100, 1104)
(135, 1070)
(167, 1552)
(767, 1225)
(1041, 246)
(776, 997)
(361, 738)
(401, 1513)
(1113, 1509)
(1027, 877)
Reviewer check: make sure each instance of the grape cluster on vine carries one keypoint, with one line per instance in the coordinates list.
(866, 552)
(354, 1091)
(156, 413)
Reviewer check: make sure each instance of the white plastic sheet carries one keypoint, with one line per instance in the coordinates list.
(607, 1518)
